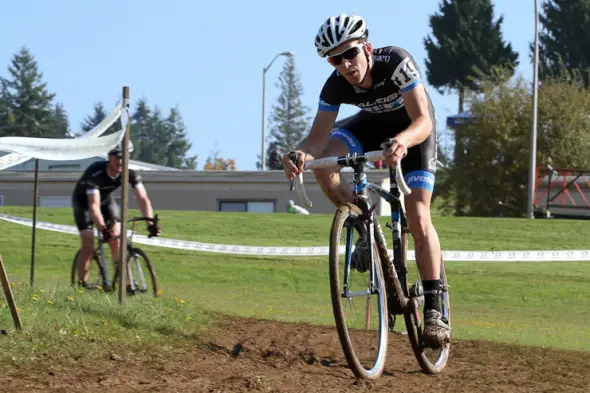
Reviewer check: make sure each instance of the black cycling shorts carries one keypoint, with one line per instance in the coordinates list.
(365, 132)
(82, 216)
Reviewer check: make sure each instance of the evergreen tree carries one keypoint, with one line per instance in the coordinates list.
(60, 121)
(154, 149)
(465, 43)
(289, 121)
(564, 39)
(6, 117)
(159, 140)
(97, 116)
(178, 145)
(140, 129)
(27, 104)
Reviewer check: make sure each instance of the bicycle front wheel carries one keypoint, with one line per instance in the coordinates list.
(141, 275)
(358, 297)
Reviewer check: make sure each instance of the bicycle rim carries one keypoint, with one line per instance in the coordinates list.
(363, 336)
(432, 361)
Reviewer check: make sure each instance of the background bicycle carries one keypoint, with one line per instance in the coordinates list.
(138, 280)
(366, 300)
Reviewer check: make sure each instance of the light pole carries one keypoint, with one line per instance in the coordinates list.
(533, 143)
(263, 147)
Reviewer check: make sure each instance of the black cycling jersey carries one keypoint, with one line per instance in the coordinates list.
(394, 71)
(383, 113)
(95, 178)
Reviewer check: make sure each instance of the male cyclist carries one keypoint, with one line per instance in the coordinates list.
(385, 83)
(93, 202)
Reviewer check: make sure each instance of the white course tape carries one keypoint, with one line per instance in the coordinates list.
(60, 149)
(482, 256)
(12, 159)
(31, 145)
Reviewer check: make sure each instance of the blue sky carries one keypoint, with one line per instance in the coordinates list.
(207, 57)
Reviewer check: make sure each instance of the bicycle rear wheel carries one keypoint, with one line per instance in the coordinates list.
(432, 360)
(363, 335)
(96, 273)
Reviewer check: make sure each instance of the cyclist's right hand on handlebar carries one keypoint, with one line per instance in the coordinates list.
(290, 168)
(107, 235)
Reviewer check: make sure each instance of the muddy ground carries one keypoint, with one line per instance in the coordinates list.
(246, 355)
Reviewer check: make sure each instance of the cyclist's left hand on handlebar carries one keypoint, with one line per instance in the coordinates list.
(394, 150)
(154, 230)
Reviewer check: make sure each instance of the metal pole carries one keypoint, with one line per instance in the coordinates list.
(533, 158)
(263, 143)
(35, 198)
(125, 193)
(262, 148)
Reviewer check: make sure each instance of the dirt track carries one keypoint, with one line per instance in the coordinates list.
(279, 357)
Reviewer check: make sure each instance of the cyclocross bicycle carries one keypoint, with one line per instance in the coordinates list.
(137, 261)
(366, 301)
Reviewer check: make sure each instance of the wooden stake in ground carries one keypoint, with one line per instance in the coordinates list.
(9, 296)
(124, 198)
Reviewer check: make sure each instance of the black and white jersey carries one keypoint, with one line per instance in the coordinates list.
(96, 179)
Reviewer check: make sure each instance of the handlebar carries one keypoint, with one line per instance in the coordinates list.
(153, 220)
(343, 161)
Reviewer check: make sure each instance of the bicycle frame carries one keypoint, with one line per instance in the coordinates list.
(100, 247)
(362, 199)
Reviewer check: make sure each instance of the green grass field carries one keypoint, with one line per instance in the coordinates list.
(541, 304)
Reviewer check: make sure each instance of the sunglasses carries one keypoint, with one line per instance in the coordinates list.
(348, 54)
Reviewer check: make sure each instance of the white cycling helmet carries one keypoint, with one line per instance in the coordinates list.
(339, 29)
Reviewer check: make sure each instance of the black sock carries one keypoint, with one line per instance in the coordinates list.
(431, 294)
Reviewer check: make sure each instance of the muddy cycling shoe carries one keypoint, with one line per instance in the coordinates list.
(361, 256)
(437, 332)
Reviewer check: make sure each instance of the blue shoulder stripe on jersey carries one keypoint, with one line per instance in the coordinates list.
(410, 87)
(328, 107)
